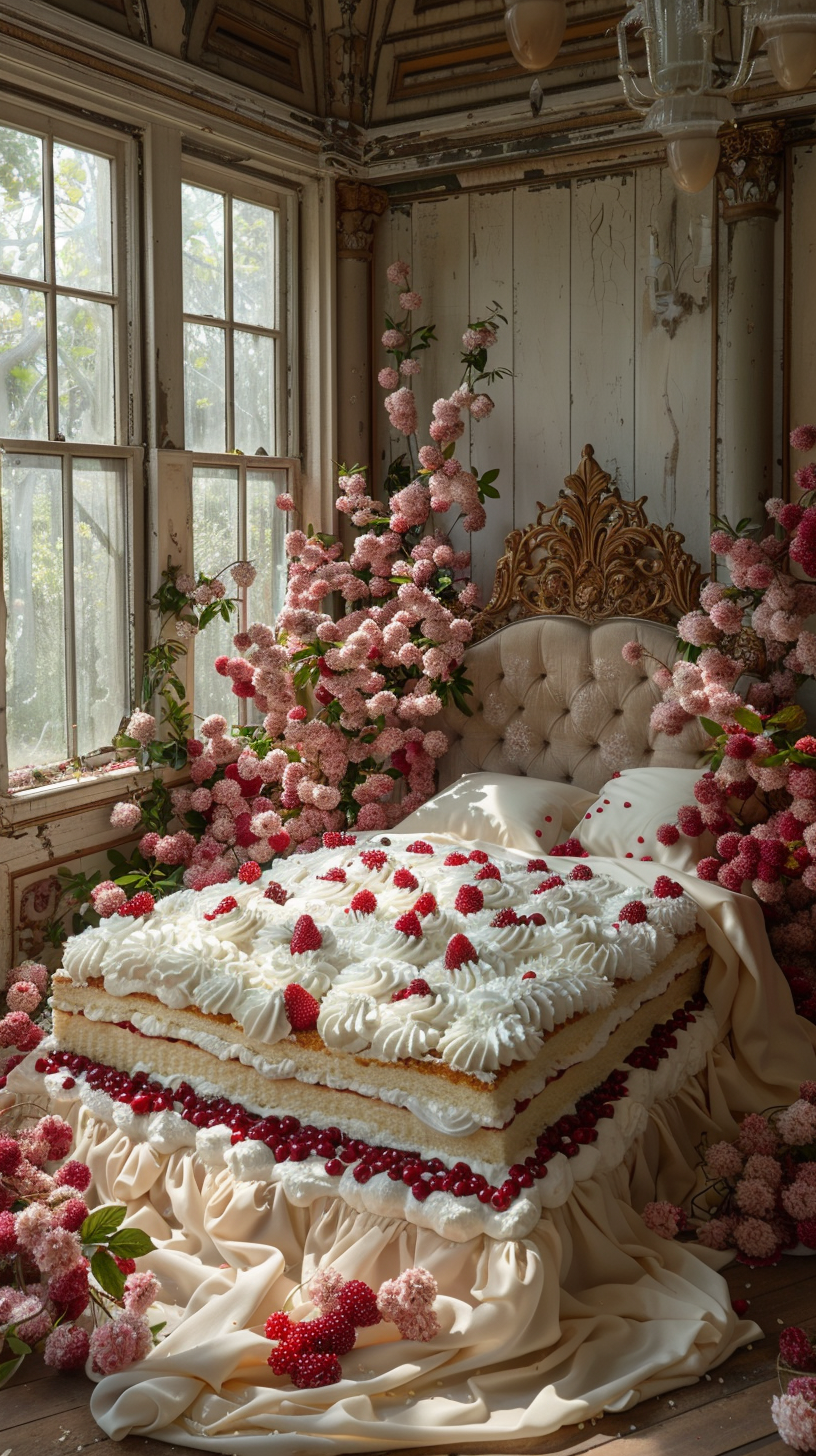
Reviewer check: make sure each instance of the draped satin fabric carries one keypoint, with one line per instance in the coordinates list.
(590, 1312)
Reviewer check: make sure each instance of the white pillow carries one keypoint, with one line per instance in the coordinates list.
(510, 810)
(624, 819)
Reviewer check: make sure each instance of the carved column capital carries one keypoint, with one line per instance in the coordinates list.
(750, 170)
(358, 206)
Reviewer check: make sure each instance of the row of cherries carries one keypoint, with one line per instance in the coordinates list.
(290, 1141)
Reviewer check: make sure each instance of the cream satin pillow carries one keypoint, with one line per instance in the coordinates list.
(624, 819)
(504, 809)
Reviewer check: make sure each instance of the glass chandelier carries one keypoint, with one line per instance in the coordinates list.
(686, 93)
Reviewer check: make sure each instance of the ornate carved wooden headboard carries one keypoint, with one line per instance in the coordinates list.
(552, 695)
(592, 555)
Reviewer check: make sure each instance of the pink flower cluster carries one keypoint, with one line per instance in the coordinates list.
(765, 1184)
(665, 1219)
(342, 706)
(26, 986)
(759, 796)
(41, 1243)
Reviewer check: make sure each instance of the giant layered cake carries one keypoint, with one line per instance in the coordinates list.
(404, 992)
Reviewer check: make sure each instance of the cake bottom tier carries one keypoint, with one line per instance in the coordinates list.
(589, 1311)
(364, 1117)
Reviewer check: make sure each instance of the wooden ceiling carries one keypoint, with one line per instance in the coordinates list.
(367, 62)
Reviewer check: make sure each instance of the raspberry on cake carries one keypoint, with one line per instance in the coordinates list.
(458, 951)
(301, 1008)
(469, 900)
(364, 902)
(305, 936)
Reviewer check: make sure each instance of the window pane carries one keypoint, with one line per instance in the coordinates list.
(82, 219)
(204, 402)
(21, 205)
(32, 577)
(86, 377)
(23, 377)
(202, 240)
(100, 601)
(254, 271)
(266, 529)
(215, 545)
(254, 392)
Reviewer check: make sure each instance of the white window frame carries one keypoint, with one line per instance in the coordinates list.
(235, 184)
(124, 299)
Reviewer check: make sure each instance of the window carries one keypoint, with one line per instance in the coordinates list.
(234, 349)
(65, 575)
(58, 299)
(235, 518)
(237, 290)
(67, 479)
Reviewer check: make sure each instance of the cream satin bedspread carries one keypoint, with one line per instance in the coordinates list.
(590, 1312)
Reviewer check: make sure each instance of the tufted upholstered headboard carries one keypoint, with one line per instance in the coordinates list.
(553, 698)
(552, 695)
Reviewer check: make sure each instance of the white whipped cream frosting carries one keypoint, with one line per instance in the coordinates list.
(483, 1012)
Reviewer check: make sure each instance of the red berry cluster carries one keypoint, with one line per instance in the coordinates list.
(335, 839)
(290, 1141)
(223, 907)
(308, 1350)
(409, 925)
(662, 1038)
(488, 872)
(336, 875)
(420, 846)
(404, 880)
(374, 859)
(469, 900)
(417, 987)
(363, 903)
(276, 893)
(508, 916)
(305, 936)
(633, 913)
(249, 872)
(141, 904)
(571, 849)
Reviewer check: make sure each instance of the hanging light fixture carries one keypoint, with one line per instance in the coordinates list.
(686, 96)
(535, 30)
(686, 93)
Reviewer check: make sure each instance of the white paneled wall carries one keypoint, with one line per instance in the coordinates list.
(607, 283)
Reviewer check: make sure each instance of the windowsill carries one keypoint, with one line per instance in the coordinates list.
(128, 775)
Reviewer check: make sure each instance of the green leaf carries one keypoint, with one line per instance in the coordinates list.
(157, 1329)
(793, 717)
(103, 1222)
(489, 490)
(749, 720)
(130, 1243)
(16, 1345)
(488, 477)
(107, 1273)
(8, 1368)
(712, 729)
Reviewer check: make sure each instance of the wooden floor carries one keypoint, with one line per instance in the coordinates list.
(726, 1414)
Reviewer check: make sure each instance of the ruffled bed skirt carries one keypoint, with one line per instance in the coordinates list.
(589, 1312)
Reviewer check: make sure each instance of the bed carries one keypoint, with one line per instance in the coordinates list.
(582, 1309)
